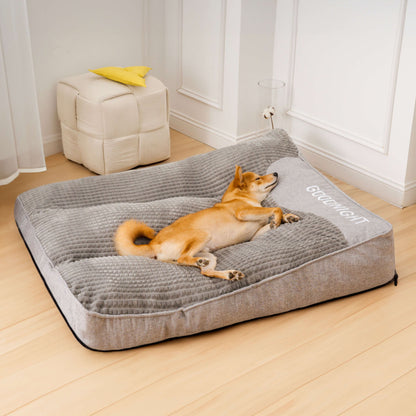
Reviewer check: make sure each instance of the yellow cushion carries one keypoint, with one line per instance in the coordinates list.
(141, 71)
(123, 75)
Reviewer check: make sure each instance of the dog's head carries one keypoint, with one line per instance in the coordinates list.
(253, 185)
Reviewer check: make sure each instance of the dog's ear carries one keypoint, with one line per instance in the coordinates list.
(238, 177)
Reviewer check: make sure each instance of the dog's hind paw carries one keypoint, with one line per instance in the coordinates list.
(235, 275)
(202, 262)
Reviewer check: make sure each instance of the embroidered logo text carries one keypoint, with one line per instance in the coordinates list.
(343, 210)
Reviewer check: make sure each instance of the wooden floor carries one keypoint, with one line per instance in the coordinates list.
(355, 356)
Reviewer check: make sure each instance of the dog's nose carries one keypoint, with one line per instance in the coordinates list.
(275, 174)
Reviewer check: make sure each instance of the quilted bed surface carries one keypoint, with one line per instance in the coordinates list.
(76, 221)
(73, 224)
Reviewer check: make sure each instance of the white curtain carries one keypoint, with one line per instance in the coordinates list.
(21, 147)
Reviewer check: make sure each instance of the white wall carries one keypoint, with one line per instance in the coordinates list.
(215, 52)
(256, 59)
(410, 180)
(203, 104)
(71, 36)
(350, 67)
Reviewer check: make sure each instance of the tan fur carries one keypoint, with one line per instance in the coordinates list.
(188, 241)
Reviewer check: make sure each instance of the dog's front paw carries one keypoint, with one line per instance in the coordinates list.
(235, 275)
(273, 224)
(289, 218)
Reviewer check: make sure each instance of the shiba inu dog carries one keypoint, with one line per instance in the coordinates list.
(188, 241)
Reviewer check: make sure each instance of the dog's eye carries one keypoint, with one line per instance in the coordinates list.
(257, 179)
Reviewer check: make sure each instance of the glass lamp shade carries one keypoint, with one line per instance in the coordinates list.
(270, 103)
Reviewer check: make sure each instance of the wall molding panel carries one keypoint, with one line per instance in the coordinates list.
(201, 57)
(346, 134)
(380, 186)
(300, 104)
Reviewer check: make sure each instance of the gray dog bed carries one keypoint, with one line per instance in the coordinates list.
(112, 302)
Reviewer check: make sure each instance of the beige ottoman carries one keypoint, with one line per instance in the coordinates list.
(110, 127)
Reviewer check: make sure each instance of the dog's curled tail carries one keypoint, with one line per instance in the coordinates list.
(126, 235)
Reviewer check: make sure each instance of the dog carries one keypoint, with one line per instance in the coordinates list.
(239, 217)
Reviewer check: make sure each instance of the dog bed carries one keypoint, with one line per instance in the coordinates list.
(115, 302)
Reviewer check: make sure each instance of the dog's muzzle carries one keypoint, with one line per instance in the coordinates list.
(272, 185)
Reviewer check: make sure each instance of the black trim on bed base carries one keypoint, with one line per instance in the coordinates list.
(395, 278)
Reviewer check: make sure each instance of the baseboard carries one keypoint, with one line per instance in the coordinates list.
(52, 144)
(409, 194)
(382, 187)
(205, 133)
(200, 131)
(251, 135)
